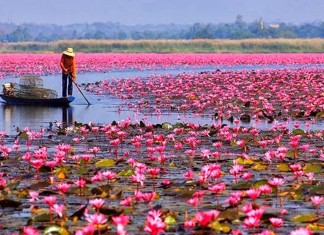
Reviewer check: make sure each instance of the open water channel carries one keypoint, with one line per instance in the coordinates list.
(105, 109)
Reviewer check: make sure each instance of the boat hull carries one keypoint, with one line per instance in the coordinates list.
(45, 102)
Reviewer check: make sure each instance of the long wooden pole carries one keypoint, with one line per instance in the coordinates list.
(80, 90)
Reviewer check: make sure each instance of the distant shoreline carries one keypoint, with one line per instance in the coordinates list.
(171, 46)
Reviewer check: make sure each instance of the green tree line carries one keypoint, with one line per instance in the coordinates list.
(239, 29)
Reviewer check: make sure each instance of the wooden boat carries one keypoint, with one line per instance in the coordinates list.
(63, 101)
(31, 91)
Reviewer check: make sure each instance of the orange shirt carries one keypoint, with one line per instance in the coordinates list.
(68, 63)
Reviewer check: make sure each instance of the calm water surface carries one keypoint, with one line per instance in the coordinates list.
(101, 110)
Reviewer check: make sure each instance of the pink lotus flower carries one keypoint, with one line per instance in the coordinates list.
(49, 200)
(276, 222)
(276, 182)
(301, 231)
(189, 224)
(63, 187)
(126, 202)
(189, 175)
(317, 200)
(121, 221)
(110, 175)
(154, 224)
(97, 203)
(58, 209)
(29, 230)
(81, 183)
(204, 218)
(88, 230)
(96, 219)
(253, 193)
(251, 222)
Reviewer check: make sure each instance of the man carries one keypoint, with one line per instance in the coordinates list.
(68, 65)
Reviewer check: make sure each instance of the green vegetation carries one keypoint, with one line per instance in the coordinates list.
(171, 46)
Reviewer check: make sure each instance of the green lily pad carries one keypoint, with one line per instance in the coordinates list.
(105, 163)
(242, 185)
(56, 230)
(228, 215)
(82, 171)
(320, 114)
(259, 167)
(44, 217)
(312, 168)
(283, 167)
(220, 227)
(9, 203)
(258, 183)
(170, 220)
(317, 190)
(291, 154)
(167, 126)
(126, 172)
(305, 218)
(298, 132)
(243, 161)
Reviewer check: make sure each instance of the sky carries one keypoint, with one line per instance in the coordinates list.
(133, 12)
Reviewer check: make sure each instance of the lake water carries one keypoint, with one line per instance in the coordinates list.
(104, 110)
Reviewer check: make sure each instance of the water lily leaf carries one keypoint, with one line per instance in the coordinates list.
(320, 114)
(258, 183)
(170, 220)
(242, 186)
(56, 230)
(243, 161)
(172, 164)
(116, 194)
(61, 172)
(100, 190)
(105, 163)
(9, 203)
(111, 211)
(292, 154)
(45, 169)
(82, 171)
(316, 227)
(312, 168)
(283, 167)
(13, 185)
(39, 185)
(167, 126)
(259, 167)
(298, 132)
(317, 190)
(221, 227)
(23, 135)
(297, 195)
(79, 213)
(61, 175)
(305, 218)
(127, 172)
(228, 215)
(44, 217)
(179, 125)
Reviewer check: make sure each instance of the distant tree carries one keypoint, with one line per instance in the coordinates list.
(99, 35)
(20, 34)
(121, 35)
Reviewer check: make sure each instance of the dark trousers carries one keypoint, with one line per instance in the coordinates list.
(67, 83)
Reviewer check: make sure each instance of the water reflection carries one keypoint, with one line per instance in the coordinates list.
(35, 117)
(67, 116)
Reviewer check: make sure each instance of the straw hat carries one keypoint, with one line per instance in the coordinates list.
(69, 52)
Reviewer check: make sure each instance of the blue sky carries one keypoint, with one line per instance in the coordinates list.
(131, 12)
